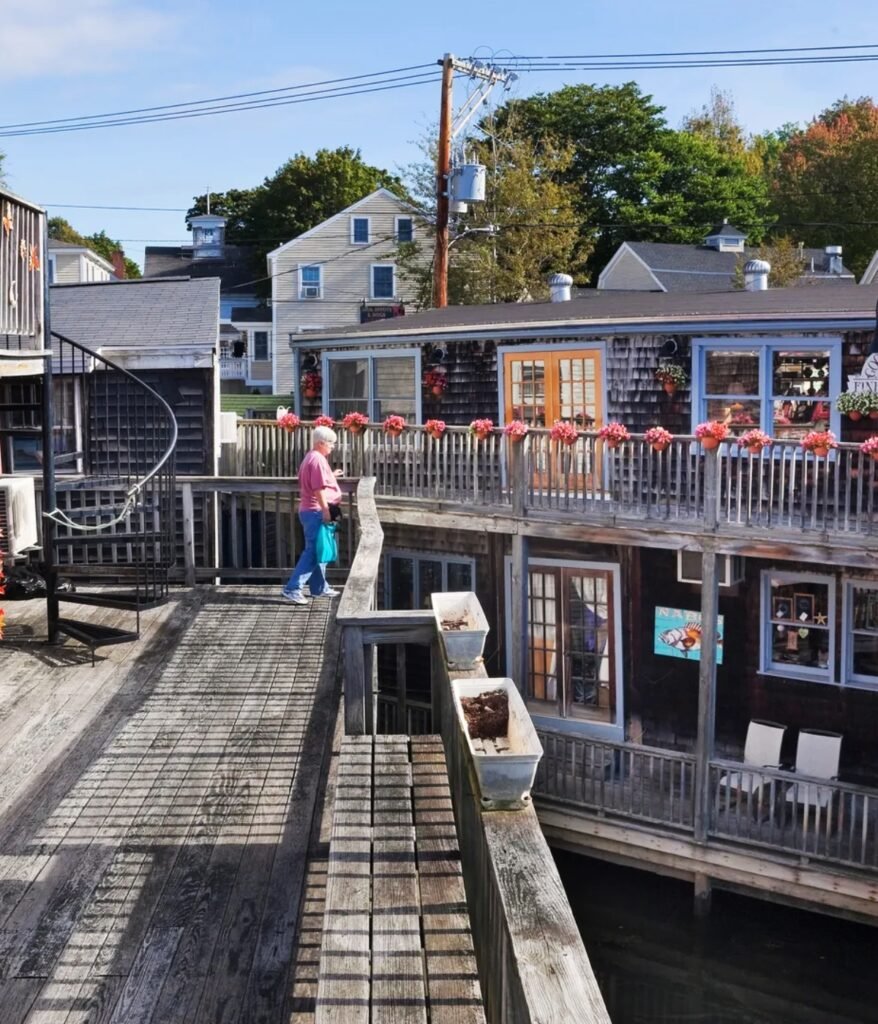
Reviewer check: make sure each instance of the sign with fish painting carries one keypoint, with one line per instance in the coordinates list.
(678, 634)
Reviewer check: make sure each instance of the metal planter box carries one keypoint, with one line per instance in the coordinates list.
(505, 775)
(463, 647)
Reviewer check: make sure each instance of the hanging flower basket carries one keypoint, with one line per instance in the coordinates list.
(516, 430)
(287, 420)
(563, 432)
(672, 376)
(436, 381)
(614, 434)
(870, 447)
(311, 382)
(819, 443)
(711, 434)
(481, 429)
(355, 422)
(324, 421)
(434, 428)
(658, 438)
(394, 425)
(754, 441)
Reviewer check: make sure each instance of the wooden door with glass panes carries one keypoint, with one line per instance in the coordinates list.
(571, 671)
(545, 386)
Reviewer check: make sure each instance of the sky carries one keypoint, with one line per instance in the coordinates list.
(63, 59)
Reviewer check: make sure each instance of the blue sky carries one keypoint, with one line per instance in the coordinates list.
(91, 56)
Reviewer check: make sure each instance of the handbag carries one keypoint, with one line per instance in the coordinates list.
(326, 545)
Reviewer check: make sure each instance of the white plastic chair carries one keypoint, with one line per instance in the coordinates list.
(817, 755)
(761, 750)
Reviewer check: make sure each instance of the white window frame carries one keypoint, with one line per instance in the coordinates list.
(353, 354)
(767, 667)
(847, 645)
(613, 731)
(396, 221)
(766, 346)
(385, 298)
(417, 556)
(368, 221)
(309, 266)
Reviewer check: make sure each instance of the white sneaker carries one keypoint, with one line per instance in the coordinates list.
(296, 596)
(329, 592)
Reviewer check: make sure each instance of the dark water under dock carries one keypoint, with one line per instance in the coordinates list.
(751, 962)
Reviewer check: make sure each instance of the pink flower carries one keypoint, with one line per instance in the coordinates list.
(481, 428)
(435, 428)
(870, 447)
(287, 420)
(615, 433)
(355, 421)
(713, 429)
(658, 435)
(516, 429)
(436, 380)
(324, 421)
(311, 381)
(819, 439)
(394, 424)
(753, 439)
(563, 432)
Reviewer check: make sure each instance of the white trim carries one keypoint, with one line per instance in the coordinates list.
(368, 221)
(372, 295)
(848, 678)
(582, 726)
(871, 272)
(617, 255)
(417, 555)
(370, 355)
(769, 667)
(383, 192)
(396, 221)
(300, 292)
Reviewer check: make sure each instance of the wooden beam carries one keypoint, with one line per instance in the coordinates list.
(519, 611)
(356, 690)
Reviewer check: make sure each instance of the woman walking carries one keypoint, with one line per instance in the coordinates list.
(319, 494)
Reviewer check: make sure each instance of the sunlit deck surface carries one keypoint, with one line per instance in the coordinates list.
(156, 810)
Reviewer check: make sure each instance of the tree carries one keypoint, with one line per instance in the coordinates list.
(785, 257)
(826, 179)
(527, 228)
(302, 193)
(100, 243)
(717, 121)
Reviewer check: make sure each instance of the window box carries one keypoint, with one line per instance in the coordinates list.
(464, 646)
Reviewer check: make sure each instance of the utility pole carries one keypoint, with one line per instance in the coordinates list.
(449, 126)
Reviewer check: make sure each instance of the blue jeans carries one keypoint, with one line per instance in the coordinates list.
(308, 568)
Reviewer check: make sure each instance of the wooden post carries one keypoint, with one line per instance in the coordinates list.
(357, 685)
(188, 535)
(443, 186)
(703, 894)
(517, 476)
(519, 611)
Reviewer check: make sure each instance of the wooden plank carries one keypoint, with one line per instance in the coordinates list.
(344, 983)
(17, 996)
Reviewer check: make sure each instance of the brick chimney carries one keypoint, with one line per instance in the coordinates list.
(117, 258)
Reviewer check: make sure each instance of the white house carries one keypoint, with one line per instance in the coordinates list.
(341, 272)
(71, 263)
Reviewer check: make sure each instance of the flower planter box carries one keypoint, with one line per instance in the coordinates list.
(463, 646)
(505, 768)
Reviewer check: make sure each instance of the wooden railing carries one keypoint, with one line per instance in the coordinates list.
(782, 488)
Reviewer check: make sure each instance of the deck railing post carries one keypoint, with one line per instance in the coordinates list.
(517, 476)
(357, 682)
(188, 535)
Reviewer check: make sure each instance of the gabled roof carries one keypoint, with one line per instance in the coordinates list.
(726, 229)
(56, 245)
(235, 267)
(385, 192)
(137, 313)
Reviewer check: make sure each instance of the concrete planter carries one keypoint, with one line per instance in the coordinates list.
(463, 647)
(505, 768)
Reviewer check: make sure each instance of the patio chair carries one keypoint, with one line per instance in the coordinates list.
(817, 755)
(761, 750)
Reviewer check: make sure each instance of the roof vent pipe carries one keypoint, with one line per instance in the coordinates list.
(756, 275)
(559, 287)
(833, 259)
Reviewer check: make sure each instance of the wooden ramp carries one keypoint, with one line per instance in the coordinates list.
(397, 946)
(155, 811)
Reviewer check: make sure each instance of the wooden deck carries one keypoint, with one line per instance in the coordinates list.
(156, 810)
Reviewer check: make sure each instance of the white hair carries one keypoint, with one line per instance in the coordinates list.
(322, 434)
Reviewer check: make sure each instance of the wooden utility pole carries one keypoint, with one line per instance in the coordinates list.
(443, 186)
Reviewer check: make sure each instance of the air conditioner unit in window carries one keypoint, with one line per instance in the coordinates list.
(729, 568)
(18, 514)
(311, 291)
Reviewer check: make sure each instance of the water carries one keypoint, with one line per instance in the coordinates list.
(750, 962)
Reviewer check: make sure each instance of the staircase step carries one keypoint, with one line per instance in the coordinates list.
(94, 635)
(113, 599)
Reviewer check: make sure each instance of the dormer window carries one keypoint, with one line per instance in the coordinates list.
(360, 230)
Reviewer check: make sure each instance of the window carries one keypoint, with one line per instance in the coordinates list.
(405, 229)
(375, 384)
(52, 269)
(311, 282)
(798, 615)
(861, 632)
(410, 577)
(782, 388)
(27, 447)
(261, 351)
(543, 386)
(383, 281)
(360, 230)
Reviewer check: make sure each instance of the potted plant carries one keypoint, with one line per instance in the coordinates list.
(505, 759)
(436, 381)
(435, 428)
(287, 420)
(394, 425)
(711, 434)
(672, 376)
(481, 429)
(614, 434)
(870, 447)
(324, 421)
(516, 430)
(867, 403)
(819, 442)
(658, 438)
(848, 404)
(462, 627)
(312, 382)
(355, 422)
(754, 441)
(563, 432)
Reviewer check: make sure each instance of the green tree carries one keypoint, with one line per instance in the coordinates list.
(826, 178)
(100, 242)
(785, 257)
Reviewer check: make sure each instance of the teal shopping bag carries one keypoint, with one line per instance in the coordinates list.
(326, 547)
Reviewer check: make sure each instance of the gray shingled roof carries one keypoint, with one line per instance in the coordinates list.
(234, 268)
(137, 314)
(592, 308)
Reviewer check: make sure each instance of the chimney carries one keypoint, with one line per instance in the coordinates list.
(117, 258)
(756, 275)
(833, 259)
(559, 287)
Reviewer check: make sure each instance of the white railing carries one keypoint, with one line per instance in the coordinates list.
(233, 368)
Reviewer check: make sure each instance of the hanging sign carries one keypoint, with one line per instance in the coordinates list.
(678, 634)
(867, 378)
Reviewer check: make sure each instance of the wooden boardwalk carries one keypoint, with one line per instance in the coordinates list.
(156, 810)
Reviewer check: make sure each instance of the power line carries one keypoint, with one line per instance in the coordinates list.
(138, 209)
(697, 53)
